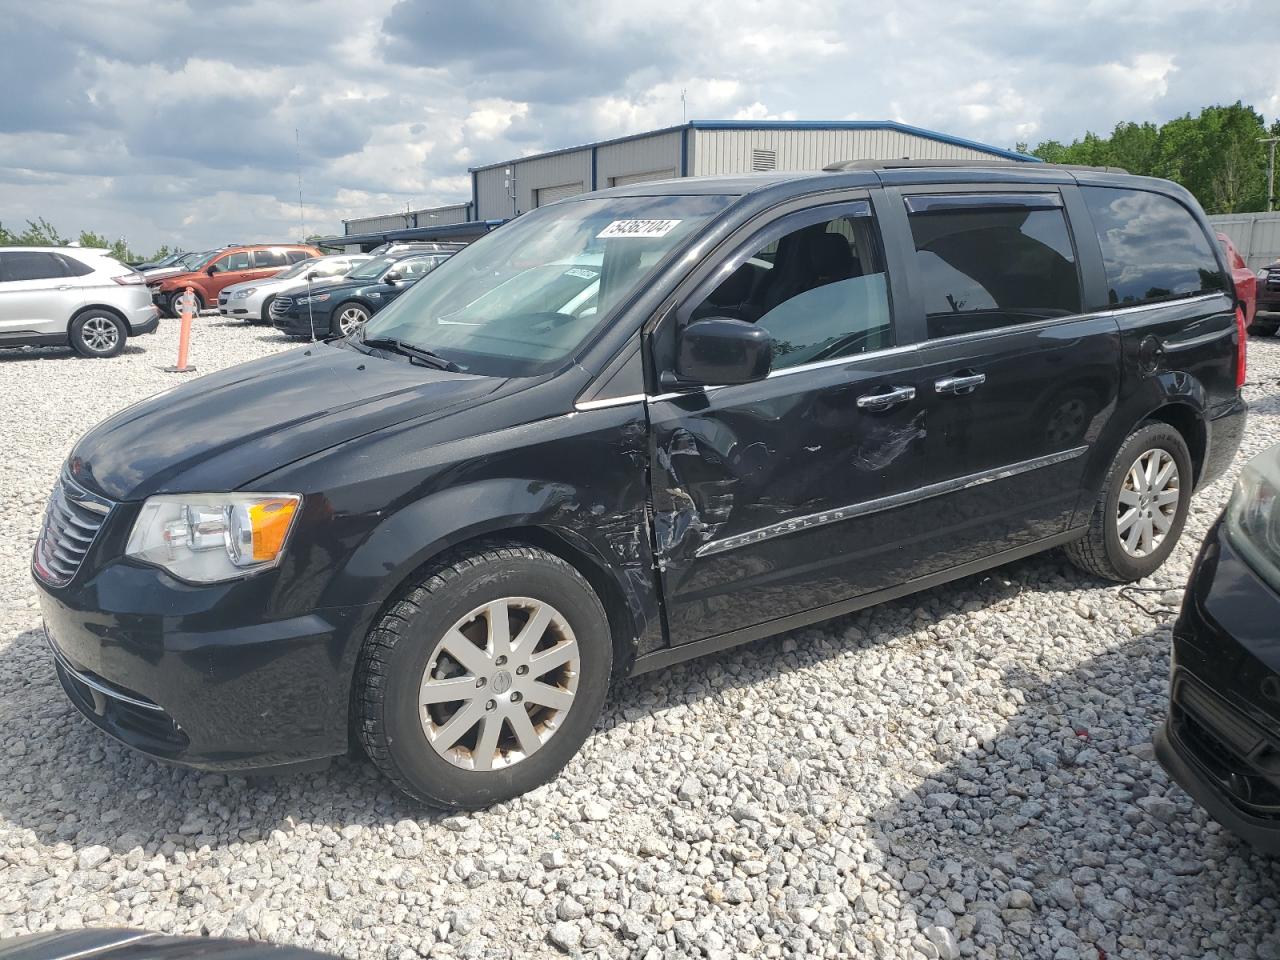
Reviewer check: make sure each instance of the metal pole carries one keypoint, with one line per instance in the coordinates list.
(1271, 170)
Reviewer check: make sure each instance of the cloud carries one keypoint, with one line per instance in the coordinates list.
(171, 121)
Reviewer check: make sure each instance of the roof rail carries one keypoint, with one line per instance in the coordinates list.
(907, 163)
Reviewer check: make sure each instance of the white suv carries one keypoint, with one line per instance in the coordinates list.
(55, 296)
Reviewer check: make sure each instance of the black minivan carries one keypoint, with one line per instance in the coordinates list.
(633, 427)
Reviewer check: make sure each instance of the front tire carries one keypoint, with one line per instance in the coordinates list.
(1141, 509)
(96, 333)
(349, 317)
(175, 311)
(484, 678)
(266, 310)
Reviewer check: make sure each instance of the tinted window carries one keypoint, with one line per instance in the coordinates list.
(74, 267)
(1152, 247)
(30, 265)
(819, 290)
(269, 258)
(984, 268)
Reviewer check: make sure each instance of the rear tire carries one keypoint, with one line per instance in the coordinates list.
(1129, 540)
(97, 333)
(457, 715)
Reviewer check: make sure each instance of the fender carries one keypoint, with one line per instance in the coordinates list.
(1184, 403)
(575, 485)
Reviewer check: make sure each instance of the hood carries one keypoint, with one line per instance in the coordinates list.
(224, 430)
(176, 277)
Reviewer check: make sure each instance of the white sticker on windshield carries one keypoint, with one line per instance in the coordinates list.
(637, 228)
(581, 274)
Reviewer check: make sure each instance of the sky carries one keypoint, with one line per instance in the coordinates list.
(188, 123)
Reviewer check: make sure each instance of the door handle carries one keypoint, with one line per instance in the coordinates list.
(890, 398)
(960, 385)
(64, 288)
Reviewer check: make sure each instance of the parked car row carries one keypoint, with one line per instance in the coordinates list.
(208, 274)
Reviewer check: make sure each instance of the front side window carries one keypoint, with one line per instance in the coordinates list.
(297, 256)
(30, 265)
(233, 261)
(522, 299)
(820, 290)
(1152, 247)
(981, 267)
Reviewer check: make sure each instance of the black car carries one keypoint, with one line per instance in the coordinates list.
(628, 429)
(1221, 740)
(342, 308)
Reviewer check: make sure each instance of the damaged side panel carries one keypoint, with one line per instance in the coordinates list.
(775, 497)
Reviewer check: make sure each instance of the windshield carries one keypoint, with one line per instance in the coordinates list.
(372, 269)
(522, 299)
(297, 270)
(201, 260)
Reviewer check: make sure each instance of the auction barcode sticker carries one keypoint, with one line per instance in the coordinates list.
(637, 228)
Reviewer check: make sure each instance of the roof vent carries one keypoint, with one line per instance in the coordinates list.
(764, 159)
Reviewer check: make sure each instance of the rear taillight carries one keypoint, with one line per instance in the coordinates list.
(129, 279)
(1242, 347)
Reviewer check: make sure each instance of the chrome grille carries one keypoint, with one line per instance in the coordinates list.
(280, 305)
(71, 521)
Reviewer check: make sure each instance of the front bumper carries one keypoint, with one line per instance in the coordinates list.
(204, 676)
(1221, 740)
(301, 326)
(250, 306)
(1268, 300)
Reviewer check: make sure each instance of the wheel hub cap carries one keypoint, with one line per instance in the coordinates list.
(499, 684)
(1148, 503)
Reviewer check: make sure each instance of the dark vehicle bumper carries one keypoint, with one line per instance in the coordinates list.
(1268, 299)
(198, 675)
(1221, 739)
(1226, 429)
(150, 325)
(301, 326)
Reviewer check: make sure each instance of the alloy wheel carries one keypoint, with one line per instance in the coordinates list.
(99, 334)
(351, 319)
(1148, 502)
(499, 684)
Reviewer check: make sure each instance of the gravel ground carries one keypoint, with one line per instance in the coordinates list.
(963, 773)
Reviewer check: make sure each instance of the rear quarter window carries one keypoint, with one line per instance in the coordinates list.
(1152, 247)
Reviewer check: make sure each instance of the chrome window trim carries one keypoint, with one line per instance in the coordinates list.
(880, 504)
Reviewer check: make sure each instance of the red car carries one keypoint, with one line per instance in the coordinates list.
(1246, 280)
(221, 268)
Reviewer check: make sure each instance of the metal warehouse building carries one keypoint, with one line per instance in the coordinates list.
(500, 191)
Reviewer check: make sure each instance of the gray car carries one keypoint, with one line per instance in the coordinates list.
(251, 300)
(77, 296)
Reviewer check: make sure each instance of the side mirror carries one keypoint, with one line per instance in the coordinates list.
(212, 270)
(720, 351)
(314, 275)
(392, 277)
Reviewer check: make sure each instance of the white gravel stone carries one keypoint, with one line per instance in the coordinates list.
(966, 772)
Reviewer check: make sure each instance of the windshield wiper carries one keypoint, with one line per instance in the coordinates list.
(412, 352)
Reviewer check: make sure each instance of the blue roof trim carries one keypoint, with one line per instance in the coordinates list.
(860, 125)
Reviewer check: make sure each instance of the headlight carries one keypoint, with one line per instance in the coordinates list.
(209, 537)
(1262, 274)
(1253, 515)
(317, 298)
(241, 294)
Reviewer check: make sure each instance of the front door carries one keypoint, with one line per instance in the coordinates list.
(1019, 379)
(785, 495)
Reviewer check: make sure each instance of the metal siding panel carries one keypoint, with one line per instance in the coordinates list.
(644, 155)
(492, 202)
(1255, 235)
(537, 173)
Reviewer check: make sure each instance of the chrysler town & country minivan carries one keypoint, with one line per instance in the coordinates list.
(630, 428)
